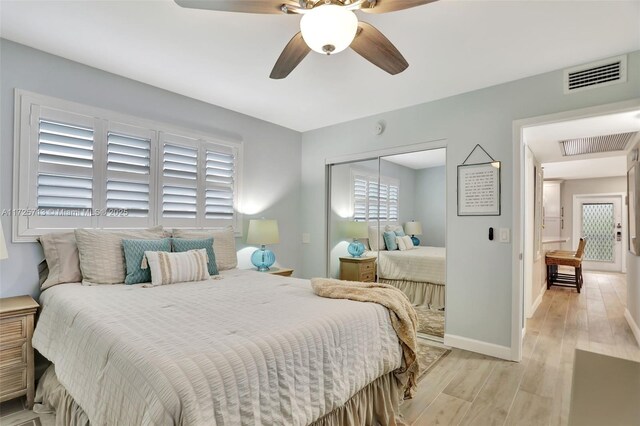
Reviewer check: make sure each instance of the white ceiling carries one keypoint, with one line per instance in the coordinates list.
(543, 142)
(421, 159)
(225, 59)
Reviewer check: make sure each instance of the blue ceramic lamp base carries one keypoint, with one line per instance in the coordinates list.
(356, 248)
(415, 240)
(263, 259)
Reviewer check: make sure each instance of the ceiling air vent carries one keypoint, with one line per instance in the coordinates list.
(596, 74)
(595, 144)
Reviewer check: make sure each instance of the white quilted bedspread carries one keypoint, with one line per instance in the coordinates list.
(422, 264)
(248, 349)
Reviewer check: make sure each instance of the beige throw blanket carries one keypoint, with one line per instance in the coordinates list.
(403, 318)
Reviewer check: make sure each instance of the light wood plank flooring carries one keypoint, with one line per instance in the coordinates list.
(466, 388)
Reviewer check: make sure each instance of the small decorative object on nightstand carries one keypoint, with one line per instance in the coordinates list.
(17, 318)
(356, 230)
(358, 269)
(283, 272)
(263, 232)
(413, 228)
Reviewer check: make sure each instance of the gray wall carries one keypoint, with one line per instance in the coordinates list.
(407, 178)
(479, 271)
(569, 188)
(431, 205)
(633, 273)
(267, 147)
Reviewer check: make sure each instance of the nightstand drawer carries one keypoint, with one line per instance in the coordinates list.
(13, 380)
(367, 277)
(13, 353)
(366, 267)
(13, 328)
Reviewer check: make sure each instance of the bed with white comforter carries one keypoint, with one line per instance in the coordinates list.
(419, 272)
(250, 348)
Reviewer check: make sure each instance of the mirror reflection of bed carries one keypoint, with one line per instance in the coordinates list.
(394, 207)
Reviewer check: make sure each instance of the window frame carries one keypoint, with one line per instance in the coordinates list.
(28, 107)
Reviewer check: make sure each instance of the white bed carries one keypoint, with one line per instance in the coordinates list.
(419, 272)
(250, 348)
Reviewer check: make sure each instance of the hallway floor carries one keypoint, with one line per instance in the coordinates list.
(471, 389)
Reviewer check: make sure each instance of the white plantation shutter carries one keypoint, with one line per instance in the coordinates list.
(373, 200)
(65, 168)
(220, 179)
(180, 181)
(128, 175)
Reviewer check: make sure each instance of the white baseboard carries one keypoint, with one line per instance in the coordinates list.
(538, 301)
(473, 345)
(632, 324)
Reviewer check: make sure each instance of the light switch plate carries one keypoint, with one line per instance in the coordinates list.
(504, 235)
(306, 238)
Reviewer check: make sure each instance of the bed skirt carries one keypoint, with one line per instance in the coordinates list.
(420, 293)
(376, 403)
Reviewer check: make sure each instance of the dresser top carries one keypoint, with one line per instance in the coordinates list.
(10, 305)
(358, 259)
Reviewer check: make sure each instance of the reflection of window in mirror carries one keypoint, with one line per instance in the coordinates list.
(372, 201)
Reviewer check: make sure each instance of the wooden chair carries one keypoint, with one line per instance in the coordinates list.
(556, 258)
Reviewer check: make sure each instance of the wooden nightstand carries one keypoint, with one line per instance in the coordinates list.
(283, 272)
(17, 318)
(358, 269)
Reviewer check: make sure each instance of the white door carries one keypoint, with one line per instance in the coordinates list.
(600, 222)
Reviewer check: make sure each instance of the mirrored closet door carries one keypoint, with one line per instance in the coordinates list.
(387, 223)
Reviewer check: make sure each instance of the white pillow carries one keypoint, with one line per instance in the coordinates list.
(169, 268)
(224, 244)
(376, 241)
(404, 243)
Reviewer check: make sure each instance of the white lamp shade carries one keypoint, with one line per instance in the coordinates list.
(3, 247)
(329, 28)
(263, 231)
(413, 228)
(354, 229)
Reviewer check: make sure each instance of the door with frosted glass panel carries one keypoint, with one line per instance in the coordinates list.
(601, 225)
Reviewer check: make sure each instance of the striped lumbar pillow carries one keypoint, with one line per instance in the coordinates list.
(169, 268)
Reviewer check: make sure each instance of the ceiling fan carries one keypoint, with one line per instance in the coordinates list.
(327, 27)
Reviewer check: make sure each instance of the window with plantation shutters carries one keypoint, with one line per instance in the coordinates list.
(81, 166)
(65, 168)
(128, 175)
(375, 198)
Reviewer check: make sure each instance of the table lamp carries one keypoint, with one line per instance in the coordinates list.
(356, 230)
(413, 228)
(3, 247)
(263, 232)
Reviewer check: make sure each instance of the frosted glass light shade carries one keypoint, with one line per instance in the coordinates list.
(356, 229)
(3, 247)
(413, 228)
(328, 28)
(263, 231)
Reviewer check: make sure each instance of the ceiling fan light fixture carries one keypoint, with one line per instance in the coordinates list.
(328, 28)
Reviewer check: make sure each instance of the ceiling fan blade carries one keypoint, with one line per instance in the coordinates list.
(372, 45)
(245, 6)
(294, 52)
(384, 6)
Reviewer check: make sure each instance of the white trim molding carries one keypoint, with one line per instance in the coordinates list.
(634, 327)
(491, 349)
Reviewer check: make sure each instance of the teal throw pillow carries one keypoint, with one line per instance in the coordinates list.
(390, 240)
(399, 232)
(182, 244)
(133, 255)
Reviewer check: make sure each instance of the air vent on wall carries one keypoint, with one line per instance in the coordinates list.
(596, 74)
(595, 144)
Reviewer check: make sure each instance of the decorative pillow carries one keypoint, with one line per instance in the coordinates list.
(101, 255)
(180, 245)
(390, 240)
(376, 239)
(224, 244)
(400, 243)
(134, 253)
(169, 268)
(61, 253)
(399, 232)
(407, 242)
